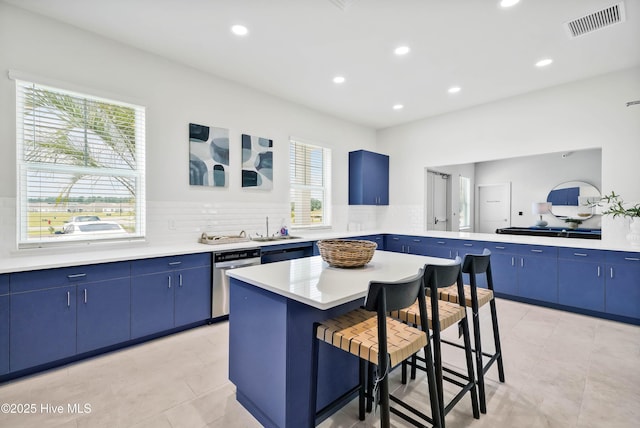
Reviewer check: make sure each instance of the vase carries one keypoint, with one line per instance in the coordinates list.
(634, 234)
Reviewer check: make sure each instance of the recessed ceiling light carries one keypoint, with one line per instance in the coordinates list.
(544, 62)
(239, 30)
(508, 3)
(338, 79)
(402, 50)
(398, 107)
(454, 89)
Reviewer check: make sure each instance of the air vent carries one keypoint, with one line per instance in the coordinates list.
(596, 20)
(343, 4)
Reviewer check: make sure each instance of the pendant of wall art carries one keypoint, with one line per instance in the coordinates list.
(208, 156)
(257, 162)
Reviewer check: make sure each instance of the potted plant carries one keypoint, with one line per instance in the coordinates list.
(615, 207)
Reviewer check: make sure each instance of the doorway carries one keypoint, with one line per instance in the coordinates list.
(494, 207)
(438, 202)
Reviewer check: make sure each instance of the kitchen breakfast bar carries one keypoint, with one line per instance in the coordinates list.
(272, 311)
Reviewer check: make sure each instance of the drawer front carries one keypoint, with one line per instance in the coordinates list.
(164, 264)
(500, 247)
(581, 254)
(537, 251)
(623, 257)
(49, 278)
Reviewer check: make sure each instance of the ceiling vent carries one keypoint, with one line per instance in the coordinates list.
(596, 21)
(343, 4)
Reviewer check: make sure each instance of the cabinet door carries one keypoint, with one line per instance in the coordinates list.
(379, 178)
(151, 303)
(43, 326)
(442, 248)
(505, 273)
(192, 295)
(104, 314)
(4, 334)
(581, 279)
(623, 284)
(395, 243)
(368, 178)
(538, 273)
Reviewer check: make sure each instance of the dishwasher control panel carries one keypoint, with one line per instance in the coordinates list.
(228, 256)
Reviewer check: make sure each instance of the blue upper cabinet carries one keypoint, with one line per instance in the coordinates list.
(368, 178)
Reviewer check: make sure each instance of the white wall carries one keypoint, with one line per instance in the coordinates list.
(174, 96)
(585, 114)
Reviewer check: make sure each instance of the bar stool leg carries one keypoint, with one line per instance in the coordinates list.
(478, 354)
(469, 358)
(496, 338)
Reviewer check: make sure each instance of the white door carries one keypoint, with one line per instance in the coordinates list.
(494, 207)
(437, 191)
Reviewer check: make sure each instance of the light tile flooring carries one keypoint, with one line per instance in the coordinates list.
(562, 370)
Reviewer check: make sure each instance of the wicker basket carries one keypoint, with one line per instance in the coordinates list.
(346, 253)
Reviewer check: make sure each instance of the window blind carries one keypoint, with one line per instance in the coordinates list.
(310, 178)
(79, 159)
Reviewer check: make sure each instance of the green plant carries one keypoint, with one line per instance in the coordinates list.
(615, 206)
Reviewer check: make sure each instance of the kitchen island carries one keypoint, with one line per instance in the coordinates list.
(272, 311)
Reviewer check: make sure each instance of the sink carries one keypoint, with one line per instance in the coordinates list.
(273, 238)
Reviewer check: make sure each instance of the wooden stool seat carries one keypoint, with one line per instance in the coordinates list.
(450, 294)
(357, 333)
(448, 313)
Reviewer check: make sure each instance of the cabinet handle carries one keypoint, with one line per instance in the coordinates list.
(180, 280)
(85, 295)
(169, 277)
(402, 251)
(174, 263)
(521, 261)
(598, 271)
(76, 275)
(580, 254)
(536, 251)
(611, 272)
(499, 248)
(416, 240)
(440, 242)
(468, 245)
(513, 261)
(632, 259)
(450, 254)
(68, 299)
(396, 239)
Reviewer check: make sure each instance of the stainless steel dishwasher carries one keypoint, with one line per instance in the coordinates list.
(222, 262)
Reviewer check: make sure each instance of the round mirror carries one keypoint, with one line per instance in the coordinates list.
(573, 199)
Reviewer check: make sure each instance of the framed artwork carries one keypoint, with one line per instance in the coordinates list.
(257, 162)
(208, 156)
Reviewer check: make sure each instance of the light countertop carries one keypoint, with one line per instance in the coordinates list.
(312, 281)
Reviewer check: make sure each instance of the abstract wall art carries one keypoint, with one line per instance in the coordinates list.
(257, 162)
(208, 156)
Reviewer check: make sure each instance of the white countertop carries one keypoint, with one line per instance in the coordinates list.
(35, 259)
(312, 281)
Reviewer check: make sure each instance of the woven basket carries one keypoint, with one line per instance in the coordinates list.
(346, 253)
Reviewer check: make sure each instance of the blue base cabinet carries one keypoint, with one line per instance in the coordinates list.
(622, 295)
(581, 278)
(169, 292)
(538, 273)
(4, 324)
(368, 178)
(43, 326)
(504, 267)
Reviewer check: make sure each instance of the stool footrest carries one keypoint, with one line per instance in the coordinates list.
(412, 410)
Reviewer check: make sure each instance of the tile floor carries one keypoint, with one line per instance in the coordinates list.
(562, 370)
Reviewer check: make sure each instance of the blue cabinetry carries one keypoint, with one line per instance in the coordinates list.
(581, 278)
(406, 244)
(538, 273)
(169, 292)
(368, 178)
(440, 247)
(57, 313)
(4, 324)
(504, 267)
(622, 295)
(378, 239)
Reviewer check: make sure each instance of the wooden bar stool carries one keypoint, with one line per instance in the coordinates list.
(474, 298)
(378, 339)
(441, 315)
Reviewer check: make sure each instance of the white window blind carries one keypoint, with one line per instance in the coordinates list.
(310, 180)
(80, 164)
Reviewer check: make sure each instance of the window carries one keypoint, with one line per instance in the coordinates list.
(80, 164)
(465, 203)
(310, 178)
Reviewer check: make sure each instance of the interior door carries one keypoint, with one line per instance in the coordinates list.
(494, 207)
(437, 202)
